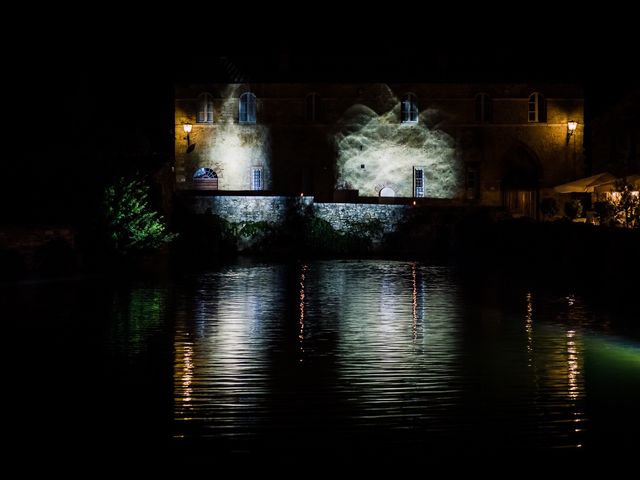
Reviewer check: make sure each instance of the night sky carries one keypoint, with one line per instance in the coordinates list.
(81, 117)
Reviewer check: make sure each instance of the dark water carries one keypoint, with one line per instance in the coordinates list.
(337, 359)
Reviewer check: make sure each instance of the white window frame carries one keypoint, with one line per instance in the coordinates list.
(535, 106)
(205, 108)
(259, 184)
(419, 183)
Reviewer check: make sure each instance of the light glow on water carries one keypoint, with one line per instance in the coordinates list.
(303, 271)
(397, 357)
(573, 366)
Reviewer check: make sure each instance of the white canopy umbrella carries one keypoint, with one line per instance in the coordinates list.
(587, 184)
(633, 180)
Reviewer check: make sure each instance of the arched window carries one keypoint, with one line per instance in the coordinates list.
(247, 112)
(205, 108)
(312, 107)
(483, 108)
(409, 109)
(204, 174)
(537, 108)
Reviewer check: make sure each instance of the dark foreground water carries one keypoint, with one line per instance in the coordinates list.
(328, 359)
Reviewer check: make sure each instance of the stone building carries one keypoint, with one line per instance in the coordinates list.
(487, 144)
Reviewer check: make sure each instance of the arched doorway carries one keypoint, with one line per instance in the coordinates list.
(520, 182)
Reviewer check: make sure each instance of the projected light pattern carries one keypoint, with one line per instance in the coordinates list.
(235, 149)
(377, 151)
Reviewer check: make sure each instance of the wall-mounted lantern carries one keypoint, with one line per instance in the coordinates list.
(571, 127)
(187, 129)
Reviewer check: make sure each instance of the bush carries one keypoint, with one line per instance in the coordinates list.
(257, 236)
(625, 205)
(204, 238)
(320, 237)
(605, 211)
(573, 208)
(256, 230)
(129, 223)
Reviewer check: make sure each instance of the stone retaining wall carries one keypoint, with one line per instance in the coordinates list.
(342, 215)
(274, 209)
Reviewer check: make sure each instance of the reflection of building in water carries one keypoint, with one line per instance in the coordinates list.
(528, 321)
(397, 337)
(393, 305)
(575, 348)
(414, 302)
(573, 365)
(221, 340)
(301, 296)
(556, 357)
(184, 365)
(395, 288)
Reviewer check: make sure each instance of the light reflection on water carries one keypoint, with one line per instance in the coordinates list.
(343, 357)
(371, 353)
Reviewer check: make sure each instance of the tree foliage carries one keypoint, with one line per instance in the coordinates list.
(131, 224)
(625, 203)
(573, 208)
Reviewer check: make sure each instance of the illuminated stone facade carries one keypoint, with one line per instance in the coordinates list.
(493, 144)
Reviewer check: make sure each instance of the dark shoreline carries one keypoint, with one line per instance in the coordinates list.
(554, 254)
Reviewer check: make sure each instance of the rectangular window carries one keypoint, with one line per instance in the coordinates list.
(473, 182)
(409, 109)
(483, 108)
(533, 111)
(247, 111)
(256, 178)
(205, 116)
(418, 181)
(312, 107)
(205, 108)
(537, 108)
